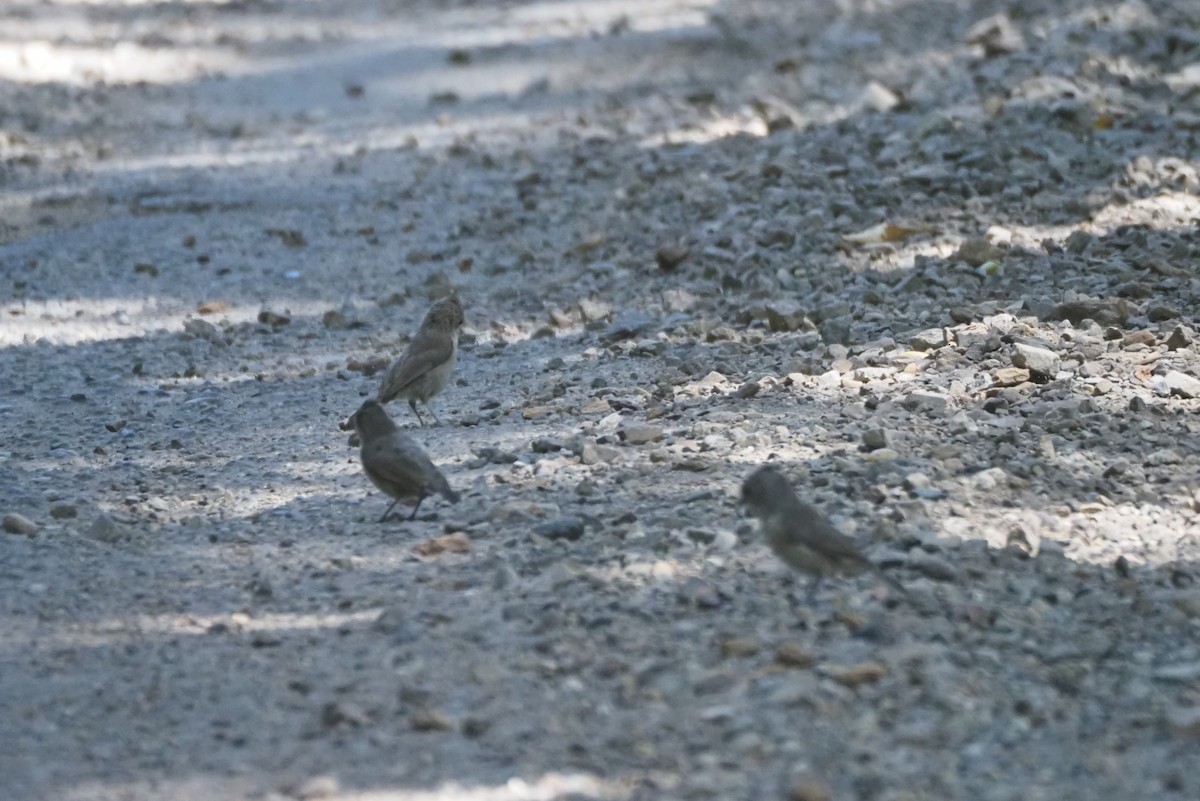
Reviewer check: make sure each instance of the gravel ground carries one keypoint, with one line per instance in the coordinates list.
(937, 260)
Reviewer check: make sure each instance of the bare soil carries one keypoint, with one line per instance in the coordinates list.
(939, 265)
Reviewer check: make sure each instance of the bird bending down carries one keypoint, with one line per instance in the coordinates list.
(800, 535)
(425, 367)
(395, 462)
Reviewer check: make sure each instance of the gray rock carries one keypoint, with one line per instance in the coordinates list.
(932, 566)
(593, 310)
(1183, 672)
(395, 623)
(1188, 602)
(724, 540)
(203, 329)
(977, 252)
(1162, 312)
(931, 403)
(878, 97)
(351, 316)
(546, 445)
(19, 524)
(929, 339)
(1182, 384)
(678, 300)
(1184, 720)
(713, 680)
(784, 316)
(1078, 242)
(547, 467)
(640, 433)
(1139, 340)
(875, 438)
(591, 453)
(829, 379)
(1182, 337)
(917, 481)
(556, 576)
(990, 479)
(977, 335)
(105, 529)
(567, 527)
(1102, 311)
(627, 325)
(1038, 361)
(748, 390)
(996, 35)
(504, 577)
(491, 455)
(836, 331)
(64, 511)
(699, 593)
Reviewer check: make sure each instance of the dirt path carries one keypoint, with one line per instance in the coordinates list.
(941, 268)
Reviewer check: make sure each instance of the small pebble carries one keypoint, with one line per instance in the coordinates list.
(19, 524)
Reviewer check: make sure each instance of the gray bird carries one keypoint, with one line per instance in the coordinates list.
(800, 535)
(425, 367)
(395, 462)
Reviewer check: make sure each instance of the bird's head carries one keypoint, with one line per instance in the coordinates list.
(371, 421)
(446, 313)
(761, 489)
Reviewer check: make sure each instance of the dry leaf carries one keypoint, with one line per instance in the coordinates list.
(588, 244)
(739, 646)
(808, 791)
(884, 232)
(793, 654)
(452, 543)
(534, 412)
(854, 675)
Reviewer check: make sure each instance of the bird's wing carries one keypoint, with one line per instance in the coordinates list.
(443, 488)
(399, 460)
(819, 533)
(424, 353)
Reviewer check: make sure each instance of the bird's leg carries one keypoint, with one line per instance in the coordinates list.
(389, 511)
(894, 584)
(429, 409)
(811, 597)
(415, 508)
(802, 612)
(803, 609)
(412, 404)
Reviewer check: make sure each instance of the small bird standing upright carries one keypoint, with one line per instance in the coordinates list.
(425, 367)
(800, 535)
(395, 462)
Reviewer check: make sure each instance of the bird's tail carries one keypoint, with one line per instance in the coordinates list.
(889, 580)
(447, 492)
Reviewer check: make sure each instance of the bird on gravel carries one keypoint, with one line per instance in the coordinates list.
(800, 535)
(395, 462)
(425, 367)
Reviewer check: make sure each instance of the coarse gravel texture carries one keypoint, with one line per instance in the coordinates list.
(938, 260)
